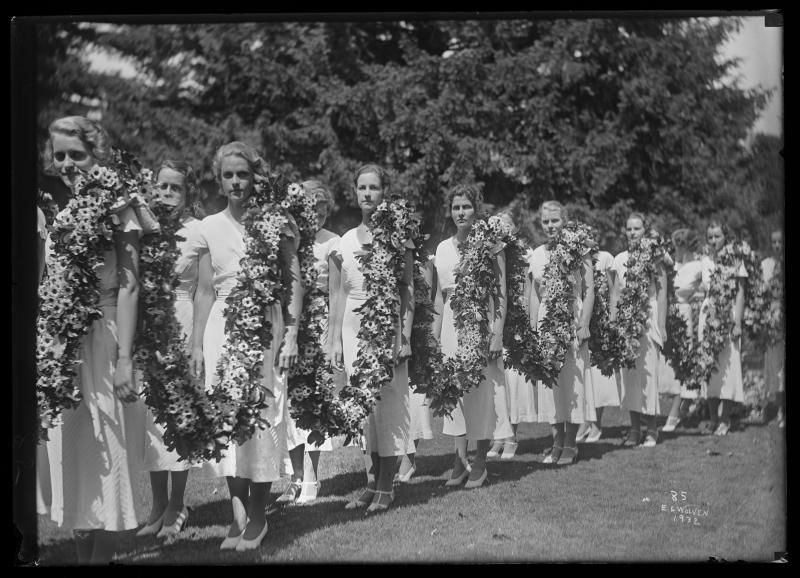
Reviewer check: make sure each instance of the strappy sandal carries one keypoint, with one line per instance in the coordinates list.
(377, 506)
(364, 500)
(553, 456)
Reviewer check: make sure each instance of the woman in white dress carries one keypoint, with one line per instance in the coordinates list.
(640, 384)
(604, 390)
(386, 430)
(482, 409)
(90, 472)
(249, 468)
(775, 355)
(520, 392)
(176, 186)
(569, 395)
(726, 385)
(305, 484)
(687, 284)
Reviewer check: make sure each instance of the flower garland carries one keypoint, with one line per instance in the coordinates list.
(775, 314)
(521, 341)
(633, 309)
(259, 286)
(604, 338)
(568, 249)
(720, 297)
(477, 286)
(426, 366)
(68, 296)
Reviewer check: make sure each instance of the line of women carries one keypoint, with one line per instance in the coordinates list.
(88, 464)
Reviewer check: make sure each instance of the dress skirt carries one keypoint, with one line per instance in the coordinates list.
(726, 382)
(92, 463)
(774, 363)
(264, 456)
(387, 428)
(640, 384)
(520, 398)
(482, 413)
(569, 398)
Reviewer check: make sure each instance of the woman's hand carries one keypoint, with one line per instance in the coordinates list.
(287, 355)
(583, 333)
(496, 346)
(197, 365)
(337, 355)
(124, 386)
(737, 330)
(402, 351)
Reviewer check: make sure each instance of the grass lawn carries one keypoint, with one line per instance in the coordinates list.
(613, 505)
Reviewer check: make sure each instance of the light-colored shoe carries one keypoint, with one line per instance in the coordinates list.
(650, 441)
(594, 437)
(553, 456)
(245, 545)
(309, 493)
(672, 423)
(495, 450)
(509, 449)
(377, 505)
(722, 429)
(290, 494)
(568, 456)
(152, 529)
(230, 542)
(176, 526)
(583, 433)
(457, 481)
(404, 478)
(479, 482)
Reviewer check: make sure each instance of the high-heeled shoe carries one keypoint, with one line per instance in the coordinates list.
(176, 526)
(672, 423)
(479, 482)
(362, 501)
(152, 529)
(377, 505)
(244, 545)
(290, 494)
(594, 437)
(460, 479)
(230, 542)
(568, 456)
(582, 434)
(495, 450)
(509, 449)
(404, 478)
(306, 497)
(553, 456)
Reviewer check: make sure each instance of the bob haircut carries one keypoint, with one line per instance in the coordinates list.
(92, 135)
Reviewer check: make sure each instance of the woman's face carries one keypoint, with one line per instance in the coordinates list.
(369, 191)
(777, 242)
(321, 209)
(715, 238)
(634, 229)
(463, 212)
(171, 188)
(551, 222)
(70, 157)
(236, 178)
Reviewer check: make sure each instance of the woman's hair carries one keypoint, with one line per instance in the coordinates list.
(715, 224)
(554, 206)
(382, 173)
(639, 216)
(471, 192)
(91, 133)
(319, 192)
(685, 239)
(193, 205)
(241, 150)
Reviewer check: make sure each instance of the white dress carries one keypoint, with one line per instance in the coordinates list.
(604, 389)
(262, 458)
(640, 384)
(726, 382)
(520, 392)
(43, 491)
(386, 430)
(156, 456)
(325, 243)
(775, 355)
(94, 454)
(688, 281)
(568, 401)
(481, 413)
